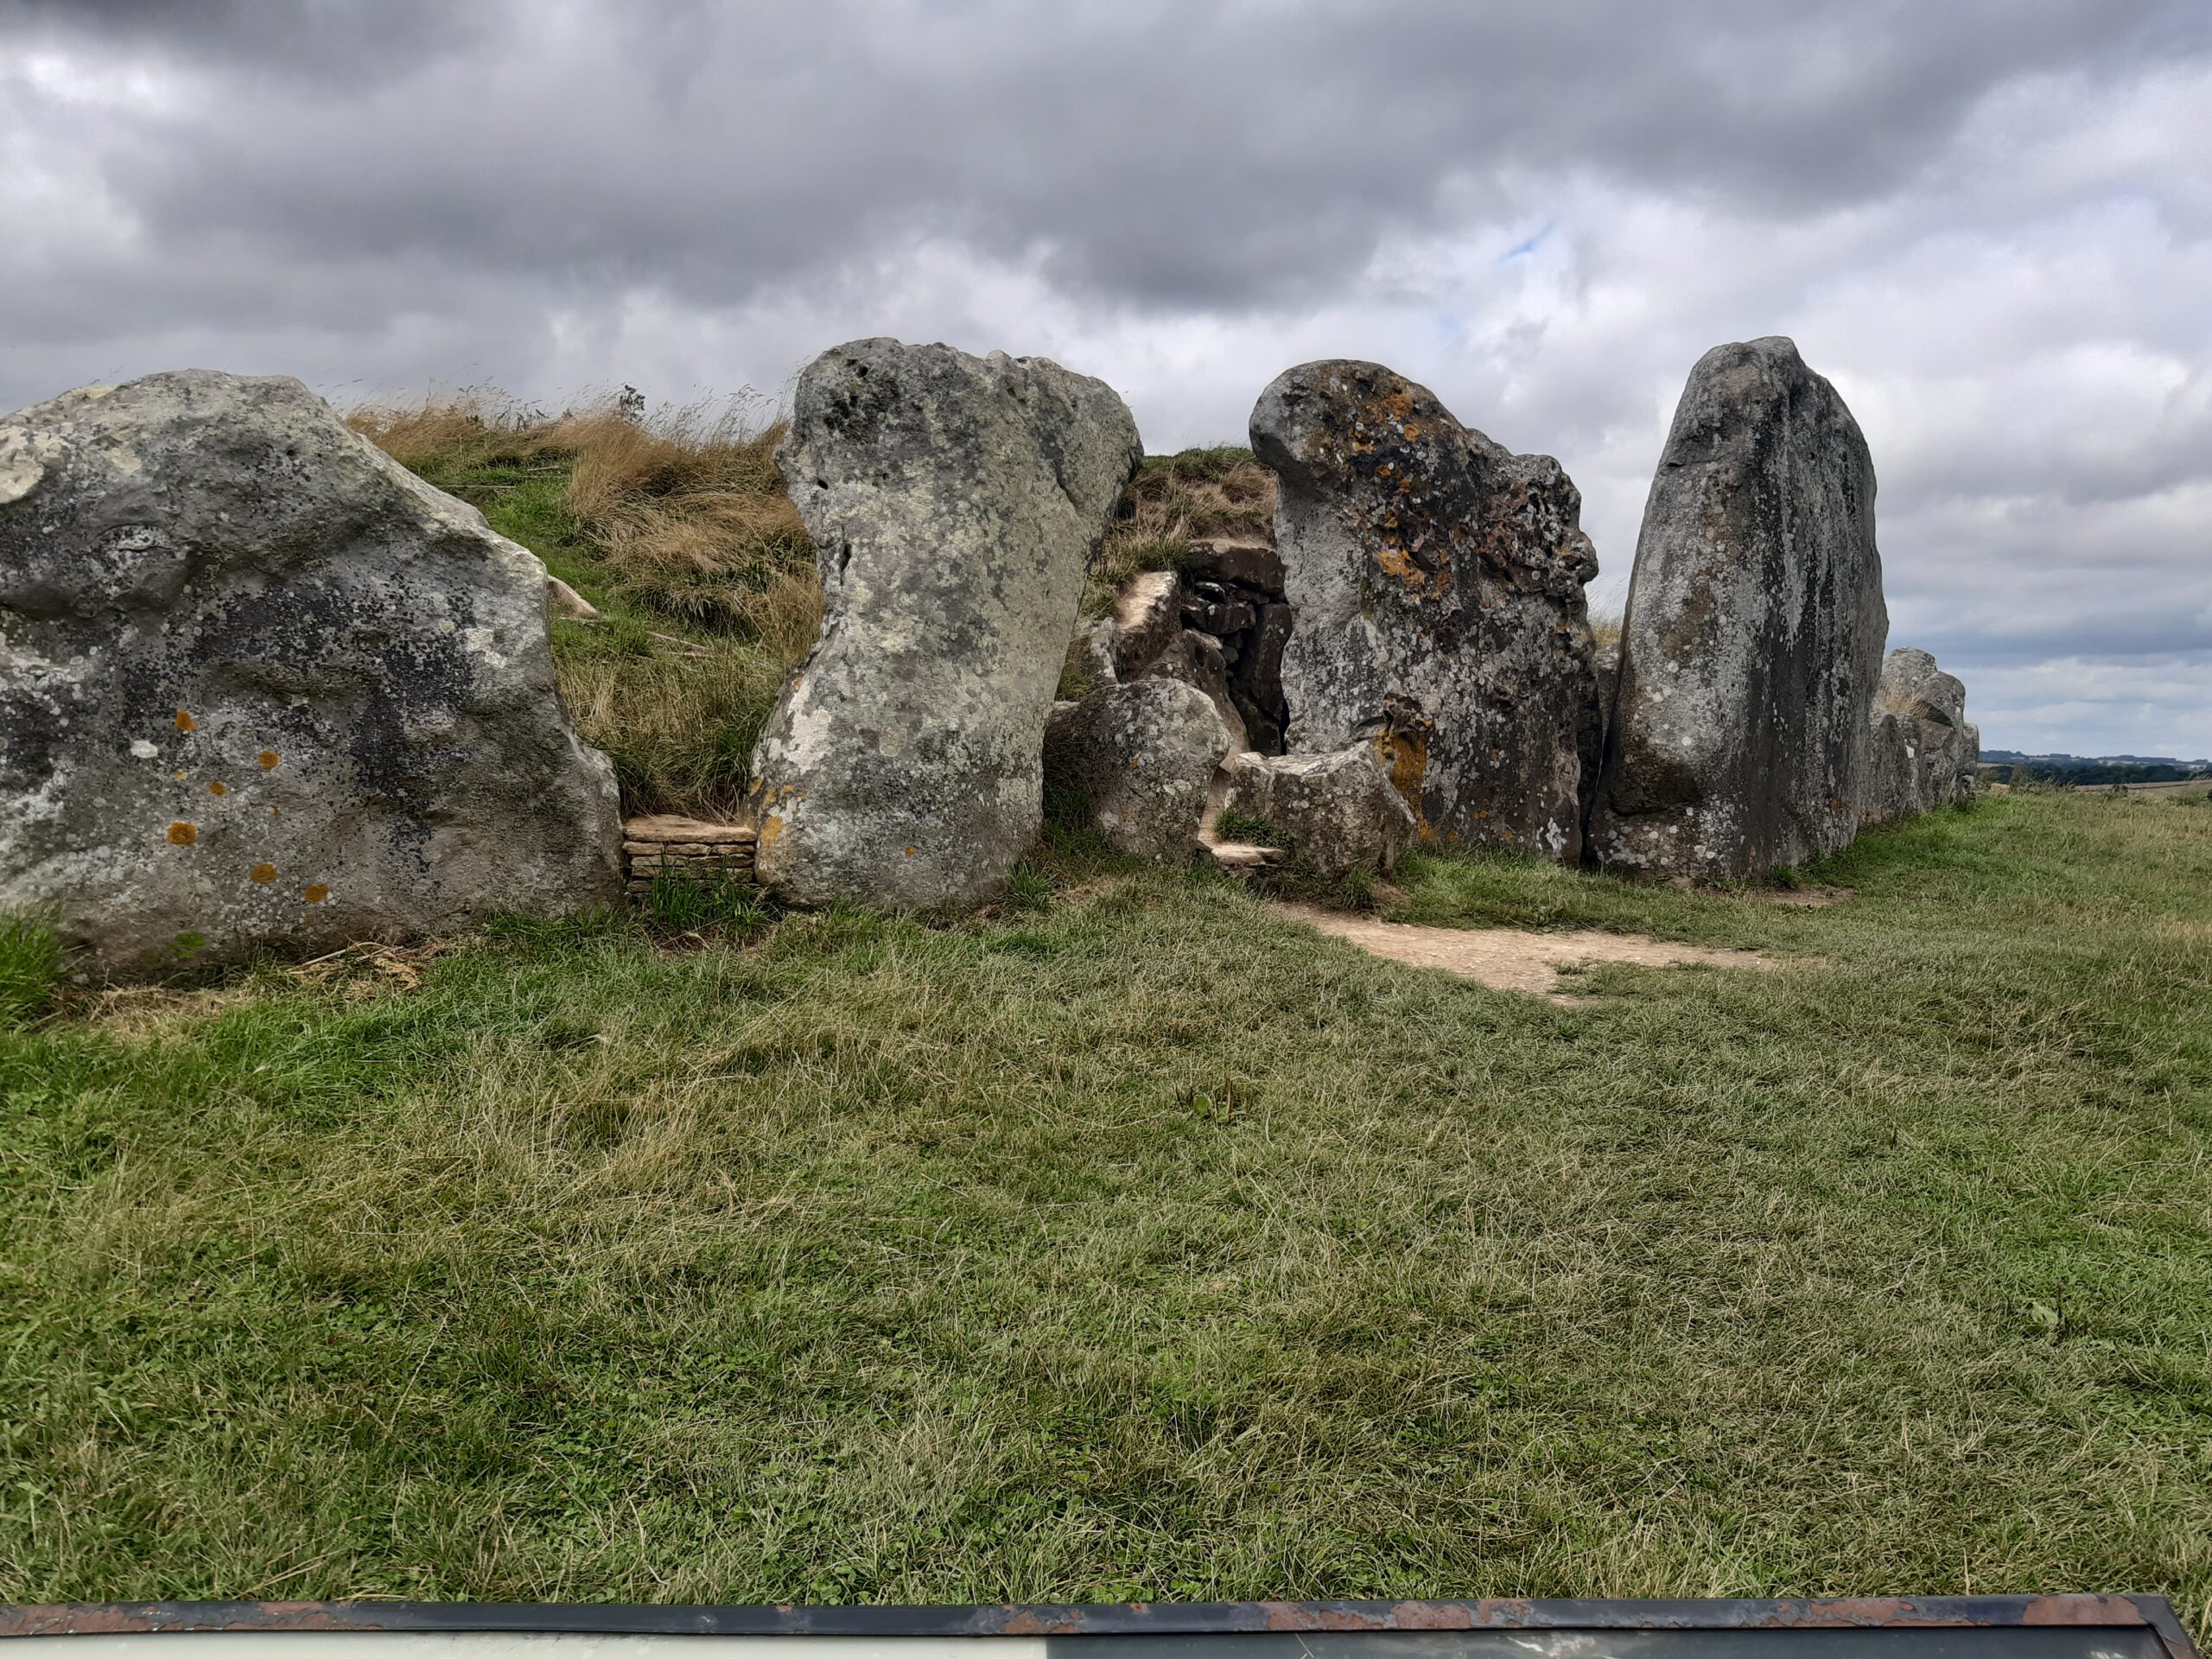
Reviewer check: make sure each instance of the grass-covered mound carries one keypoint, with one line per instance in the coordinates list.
(1129, 1242)
(677, 527)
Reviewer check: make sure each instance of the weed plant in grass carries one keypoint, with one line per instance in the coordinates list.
(1129, 1242)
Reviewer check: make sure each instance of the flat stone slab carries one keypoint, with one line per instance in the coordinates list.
(662, 827)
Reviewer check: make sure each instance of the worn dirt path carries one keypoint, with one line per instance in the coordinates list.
(1510, 958)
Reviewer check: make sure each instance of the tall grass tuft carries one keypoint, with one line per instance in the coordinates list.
(30, 966)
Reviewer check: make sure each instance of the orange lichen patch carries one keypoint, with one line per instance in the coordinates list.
(264, 873)
(219, 788)
(185, 723)
(1392, 406)
(269, 758)
(1397, 560)
(910, 852)
(182, 834)
(1410, 431)
(317, 894)
(1404, 755)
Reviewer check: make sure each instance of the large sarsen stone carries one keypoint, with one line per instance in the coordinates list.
(1924, 752)
(1754, 631)
(261, 687)
(955, 503)
(1435, 580)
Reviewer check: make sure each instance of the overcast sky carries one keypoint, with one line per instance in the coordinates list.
(1988, 222)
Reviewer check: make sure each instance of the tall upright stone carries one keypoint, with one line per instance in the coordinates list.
(261, 688)
(955, 503)
(1435, 580)
(1925, 753)
(1754, 632)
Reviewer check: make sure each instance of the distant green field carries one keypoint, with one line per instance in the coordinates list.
(1129, 1242)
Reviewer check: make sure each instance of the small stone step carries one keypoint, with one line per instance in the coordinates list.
(662, 828)
(1242, 855)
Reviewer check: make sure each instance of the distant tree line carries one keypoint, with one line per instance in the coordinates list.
(2066, 771)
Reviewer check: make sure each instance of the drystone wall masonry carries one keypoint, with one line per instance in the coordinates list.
(1435, 582)
(260, 687)
(668, 847)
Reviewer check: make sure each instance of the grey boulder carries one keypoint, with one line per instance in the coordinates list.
(1436, 581)
(1754, 632)
(1924, 752)
(261, 688)
(1338, 811)
(1141, 757)
(955, 503)
(1197, 659)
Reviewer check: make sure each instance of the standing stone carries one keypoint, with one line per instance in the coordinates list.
(955, 503)
(1436, 581)
(260, 687)
(1925, 753)
(1338, 811)
(1142, 756)
(1754, 631)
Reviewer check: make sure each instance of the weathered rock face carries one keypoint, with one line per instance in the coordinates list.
(1197, 659)
(1924, 753)
(260, 687)
(1146, 618)
(1339, 811)
(1143, 756)
(1754, 631)
(1436, 582)
(955, 503)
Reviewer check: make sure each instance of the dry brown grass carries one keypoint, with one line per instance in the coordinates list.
(678, 529)
(1174, 501)
(685, 510)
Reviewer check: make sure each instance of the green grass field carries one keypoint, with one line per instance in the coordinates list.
(1128, 1241)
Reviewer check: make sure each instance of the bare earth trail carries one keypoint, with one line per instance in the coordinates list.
(1511, 958)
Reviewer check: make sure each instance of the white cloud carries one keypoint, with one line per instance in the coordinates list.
(1988, 224)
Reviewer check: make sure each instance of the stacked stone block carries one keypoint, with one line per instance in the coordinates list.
(667, 848)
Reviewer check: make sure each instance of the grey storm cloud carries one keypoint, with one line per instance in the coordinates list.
(1985, 219)
(1167, 153)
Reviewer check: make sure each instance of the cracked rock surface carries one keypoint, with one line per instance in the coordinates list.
(1142, 756)
(1338, 811)
(262, 688)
